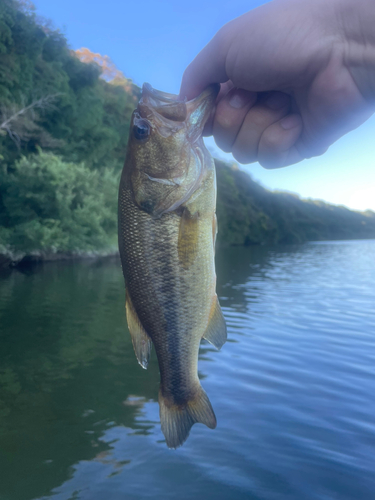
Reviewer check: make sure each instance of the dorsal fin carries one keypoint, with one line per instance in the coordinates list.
(216, 332)
(141, 341)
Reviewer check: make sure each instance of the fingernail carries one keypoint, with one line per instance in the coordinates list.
(277, 101)
(240, 98)
(290, 122)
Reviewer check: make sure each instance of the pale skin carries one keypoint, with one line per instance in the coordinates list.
(296, 75)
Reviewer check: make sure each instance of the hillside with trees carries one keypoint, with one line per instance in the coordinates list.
(64, 122)
(249, 214)
(50, 98)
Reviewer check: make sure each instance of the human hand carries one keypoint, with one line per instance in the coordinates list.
(296, 76)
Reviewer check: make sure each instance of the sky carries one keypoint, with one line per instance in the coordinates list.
(154, 41)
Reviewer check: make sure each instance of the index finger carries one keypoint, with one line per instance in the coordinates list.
(208, 67)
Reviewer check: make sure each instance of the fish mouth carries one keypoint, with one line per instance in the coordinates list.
(158, 95)
(172, 107)
(168, 106)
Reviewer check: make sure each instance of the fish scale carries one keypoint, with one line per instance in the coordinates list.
(168, 260)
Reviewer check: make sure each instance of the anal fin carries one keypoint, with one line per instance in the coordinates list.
(141, 341)
(216, 332)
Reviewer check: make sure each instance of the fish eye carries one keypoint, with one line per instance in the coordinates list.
(141, 130)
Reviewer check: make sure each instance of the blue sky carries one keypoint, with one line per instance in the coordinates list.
(154, 41)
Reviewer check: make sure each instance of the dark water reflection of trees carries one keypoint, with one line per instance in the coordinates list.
(67, 367)
(67, 371)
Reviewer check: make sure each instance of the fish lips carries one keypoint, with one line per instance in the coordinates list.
(167, 109)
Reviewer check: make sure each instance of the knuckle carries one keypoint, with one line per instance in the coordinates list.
(223, 140)
(223, 145)
(223, 37)
(225, 119)
(225, 32)
(243, 156)
(226, 148)
(311, 149)
(272, 163)
(271, 141)
(258, 117)
(317, 150)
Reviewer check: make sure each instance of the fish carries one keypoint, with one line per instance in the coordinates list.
(167, 232)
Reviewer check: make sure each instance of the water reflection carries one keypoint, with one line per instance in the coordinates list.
(292, 389)
(66, 371)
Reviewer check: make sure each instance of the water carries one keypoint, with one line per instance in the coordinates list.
(293, 389)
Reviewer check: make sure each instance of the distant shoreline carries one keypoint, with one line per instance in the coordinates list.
(10, 261)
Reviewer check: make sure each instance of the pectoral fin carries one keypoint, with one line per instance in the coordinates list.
(188, 238)
(141, 341)
(216, 332)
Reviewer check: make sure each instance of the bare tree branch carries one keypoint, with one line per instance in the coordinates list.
(42, 103)
(20, 123)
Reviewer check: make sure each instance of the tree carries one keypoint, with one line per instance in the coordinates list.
(21, 123)
(89, 121)
(54, 206)
(110, 73)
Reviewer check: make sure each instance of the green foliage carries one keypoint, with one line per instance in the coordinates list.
(248, 214)
(49, 98)
(90, 119)
(54, 206)
(78, 105)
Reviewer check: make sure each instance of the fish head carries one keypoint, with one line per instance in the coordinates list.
(166, 157)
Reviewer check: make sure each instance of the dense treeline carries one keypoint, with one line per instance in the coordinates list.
(56, 206)
(249, 214)
(81, 116)
(63, 130)
(64, 121)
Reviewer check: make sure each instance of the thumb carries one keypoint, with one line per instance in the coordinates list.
(208, 66)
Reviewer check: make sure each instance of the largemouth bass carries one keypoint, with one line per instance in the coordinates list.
(167, 231)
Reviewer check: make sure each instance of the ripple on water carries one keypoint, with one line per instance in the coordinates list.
(293, 388)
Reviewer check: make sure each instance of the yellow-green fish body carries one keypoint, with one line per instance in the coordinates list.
(167, 230)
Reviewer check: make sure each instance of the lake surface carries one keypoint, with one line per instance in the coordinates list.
(293, 389)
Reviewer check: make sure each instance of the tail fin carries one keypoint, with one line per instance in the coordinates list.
(177, 420)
